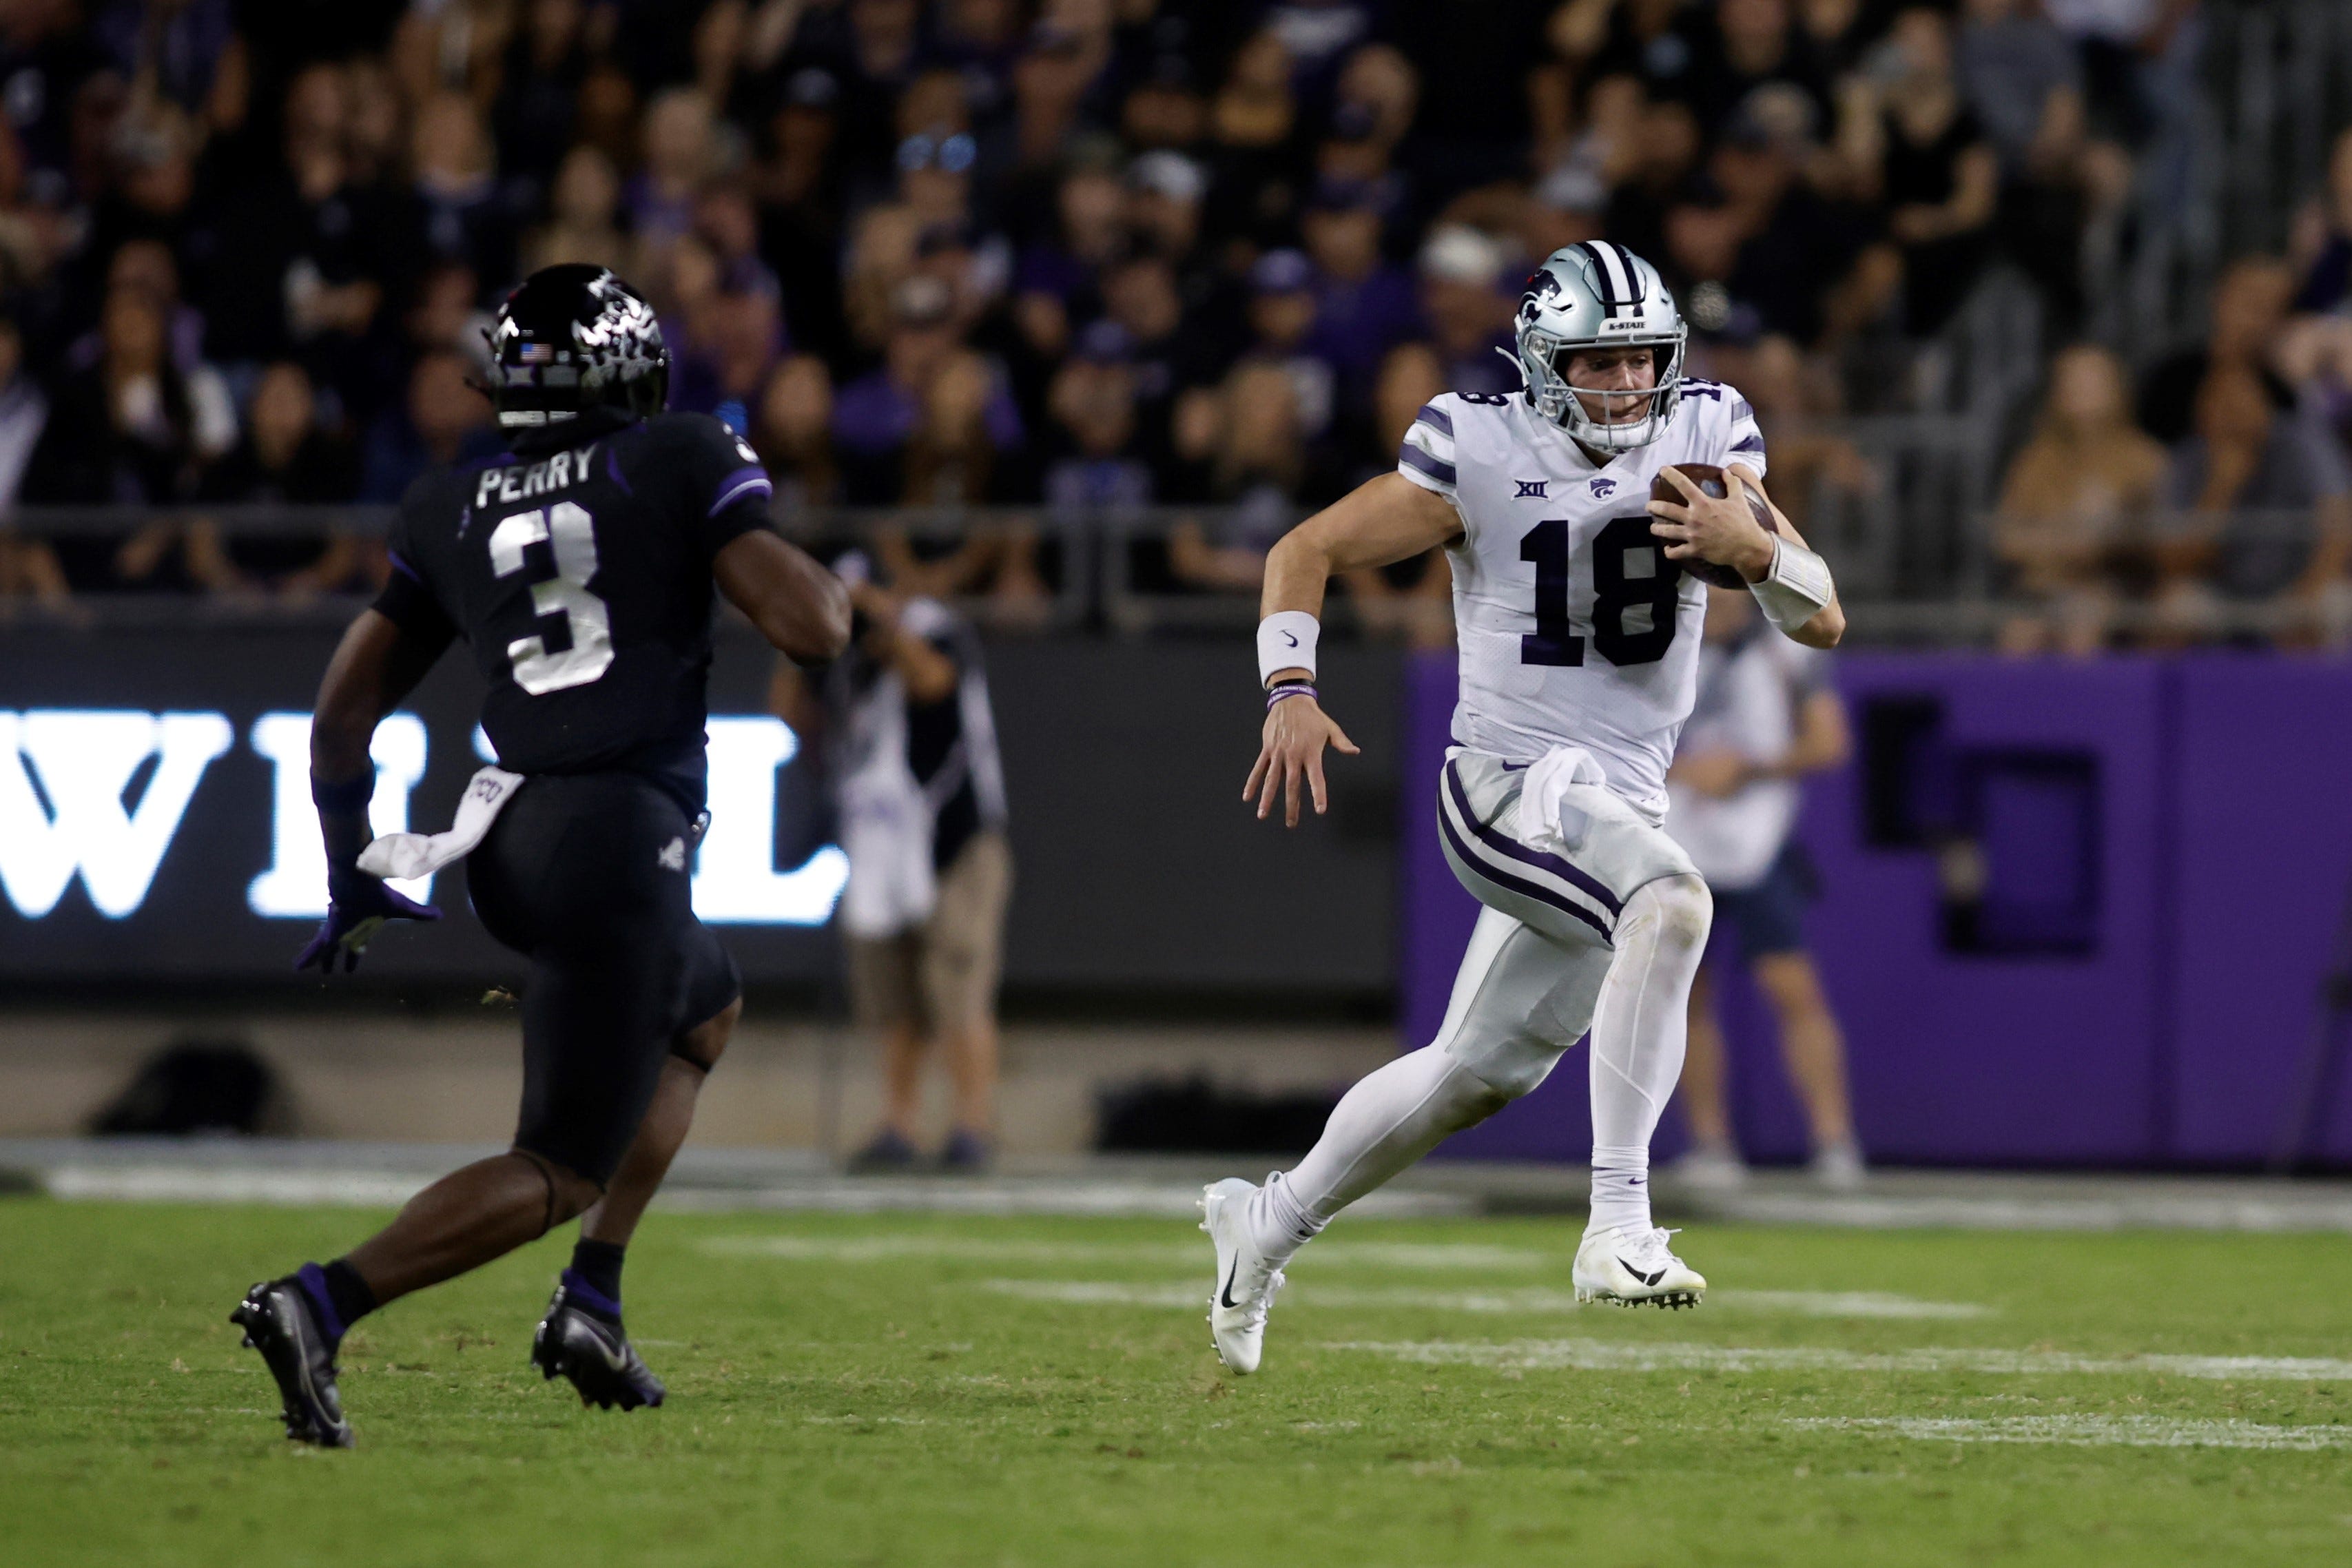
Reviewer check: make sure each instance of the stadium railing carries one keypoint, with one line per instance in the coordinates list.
(1918, 552)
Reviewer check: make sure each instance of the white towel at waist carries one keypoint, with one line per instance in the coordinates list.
(1545, 819)
(404, 855)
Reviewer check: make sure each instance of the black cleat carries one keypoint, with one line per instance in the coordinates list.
(279, 1323)
(590, 1348)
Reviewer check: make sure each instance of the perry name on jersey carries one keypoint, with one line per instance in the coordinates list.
(1573, 625)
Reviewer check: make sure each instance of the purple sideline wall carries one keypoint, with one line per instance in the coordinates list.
(2265, 813)
(2224, 859)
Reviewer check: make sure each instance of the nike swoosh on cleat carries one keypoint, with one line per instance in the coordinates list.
(1645, 1279)
(1225, 1293)
(614, 1357)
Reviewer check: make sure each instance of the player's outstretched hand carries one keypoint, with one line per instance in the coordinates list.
(1717, 528)
(362, 904)
(1297, 730)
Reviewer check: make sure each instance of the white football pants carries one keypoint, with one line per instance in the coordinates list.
(1608, 939)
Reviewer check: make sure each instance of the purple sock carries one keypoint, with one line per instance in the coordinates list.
(597, 1266)
(584, 1294)
(338, 1297)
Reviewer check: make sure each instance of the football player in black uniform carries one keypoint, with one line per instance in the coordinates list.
(580, 570)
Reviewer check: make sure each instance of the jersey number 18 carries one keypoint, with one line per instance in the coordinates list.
(1634, 594)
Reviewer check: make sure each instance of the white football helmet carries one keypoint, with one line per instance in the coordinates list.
(1597, 295)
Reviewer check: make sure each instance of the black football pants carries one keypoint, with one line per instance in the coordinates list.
(587, 876)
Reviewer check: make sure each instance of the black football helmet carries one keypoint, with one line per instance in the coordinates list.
(572, 338)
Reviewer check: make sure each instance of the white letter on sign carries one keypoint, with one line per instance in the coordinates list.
(735, 877)
(86, 759)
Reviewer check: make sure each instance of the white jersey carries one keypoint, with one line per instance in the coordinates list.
(1751, 695)
(1574, 627)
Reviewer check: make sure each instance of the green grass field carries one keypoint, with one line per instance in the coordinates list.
(903, 1390)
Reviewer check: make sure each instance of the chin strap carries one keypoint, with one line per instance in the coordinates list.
(1516, 363)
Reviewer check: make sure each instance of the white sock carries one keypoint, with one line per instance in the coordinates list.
(1638, 1035)
(1384, 1125)
(1620, 1188)
(1278, 1221)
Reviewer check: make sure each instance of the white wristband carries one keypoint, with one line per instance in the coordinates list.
(1797, 587)
(1286, 640)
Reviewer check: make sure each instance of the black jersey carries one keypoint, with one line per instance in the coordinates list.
(579, 570)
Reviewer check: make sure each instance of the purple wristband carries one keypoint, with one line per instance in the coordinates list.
(1287, 688)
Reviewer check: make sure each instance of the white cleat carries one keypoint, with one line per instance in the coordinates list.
(1244, 1286)
(1632, 1267)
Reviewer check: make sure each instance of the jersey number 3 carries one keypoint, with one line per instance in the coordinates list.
(572, 531)
(1634, 594)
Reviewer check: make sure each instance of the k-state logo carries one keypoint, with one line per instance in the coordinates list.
(1603, 489)
(1527, 488)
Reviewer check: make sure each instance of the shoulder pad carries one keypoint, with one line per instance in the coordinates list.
(701, 430)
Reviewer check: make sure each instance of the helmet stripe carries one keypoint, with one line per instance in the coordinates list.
(1608, 273)
(1634, 291)
(1632, 266)
(1600, 277)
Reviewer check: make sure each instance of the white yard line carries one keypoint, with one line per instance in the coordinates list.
(1609, 1355)
(1466, 1257)
(1435, 1257)
(2091, 1431)
(945, 1248)
(1099, 1293)
(1082, 1197)
(1843, 1304)
(1799, 1303)
(313, 1187)
(253, 1184)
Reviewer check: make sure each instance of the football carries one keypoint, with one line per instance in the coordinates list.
(1712, 482)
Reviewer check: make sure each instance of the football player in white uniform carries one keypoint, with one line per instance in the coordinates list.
(1579, 629)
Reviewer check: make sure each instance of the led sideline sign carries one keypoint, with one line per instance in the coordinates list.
(64, 774)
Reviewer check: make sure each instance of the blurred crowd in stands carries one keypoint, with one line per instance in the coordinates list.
(2221, 482)
(1081, 254)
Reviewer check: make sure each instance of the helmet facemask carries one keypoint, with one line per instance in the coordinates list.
(1540, 359)
(1591, 296)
